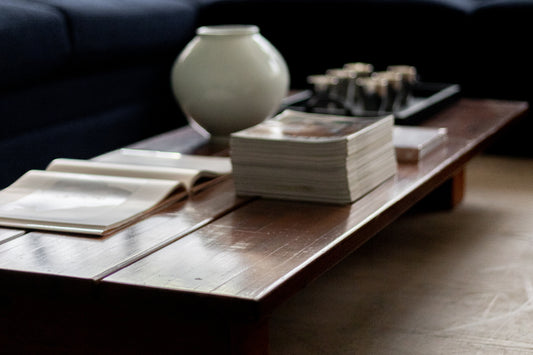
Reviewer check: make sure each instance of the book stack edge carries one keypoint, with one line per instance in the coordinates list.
(313, 157)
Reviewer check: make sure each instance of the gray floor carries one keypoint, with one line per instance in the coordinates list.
(452, 282)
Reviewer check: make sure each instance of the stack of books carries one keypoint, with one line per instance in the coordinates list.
(313, 157)
(414, 143)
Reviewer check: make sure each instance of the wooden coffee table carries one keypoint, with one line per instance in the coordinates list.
(204, 275)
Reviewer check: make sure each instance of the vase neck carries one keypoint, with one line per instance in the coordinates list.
(227, 30)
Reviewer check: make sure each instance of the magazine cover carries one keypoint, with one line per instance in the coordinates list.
(301, 126)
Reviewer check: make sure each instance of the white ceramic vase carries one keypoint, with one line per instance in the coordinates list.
(228, 78)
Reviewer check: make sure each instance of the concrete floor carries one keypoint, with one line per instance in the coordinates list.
(450, 282)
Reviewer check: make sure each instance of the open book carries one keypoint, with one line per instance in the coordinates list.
(106, 194)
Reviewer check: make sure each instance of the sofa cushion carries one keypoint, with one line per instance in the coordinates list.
(499, 62)
(54, 102)
(461, 5)
(82, 137)
(316, 35)
(102, 29)
(501, 56)
(33, 41)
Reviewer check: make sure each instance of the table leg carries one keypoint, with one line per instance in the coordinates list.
(250, 339)
(448, 195)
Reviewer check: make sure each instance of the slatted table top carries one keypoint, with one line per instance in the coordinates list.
(246, 254)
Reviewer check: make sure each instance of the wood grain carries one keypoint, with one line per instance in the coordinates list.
(93, 257)
(268, 249)
(215, 263)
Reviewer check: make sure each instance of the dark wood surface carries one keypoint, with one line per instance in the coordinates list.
(266, 249)
(92, 258)
(218, 259)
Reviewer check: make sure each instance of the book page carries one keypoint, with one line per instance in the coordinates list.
(187, 176)
(211, 164)
(79, 202)
(299, 126)
(205, 168)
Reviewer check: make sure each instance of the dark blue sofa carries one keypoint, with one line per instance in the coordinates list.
(81, 77)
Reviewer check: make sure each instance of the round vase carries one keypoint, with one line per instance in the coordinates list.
(229, 78)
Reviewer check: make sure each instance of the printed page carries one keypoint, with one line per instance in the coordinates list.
(79, 202)
(187, 176)
(306, 127)
(211, 164)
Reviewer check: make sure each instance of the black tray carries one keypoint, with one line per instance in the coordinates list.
(427, 99)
